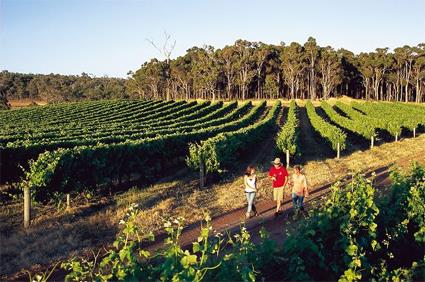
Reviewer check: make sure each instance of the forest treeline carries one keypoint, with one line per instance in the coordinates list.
(59, 88)
(257, 70)
(245, 70)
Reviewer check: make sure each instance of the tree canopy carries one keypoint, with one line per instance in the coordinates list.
(255, 70)
(59, 88)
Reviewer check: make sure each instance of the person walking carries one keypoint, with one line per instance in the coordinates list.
(250, 183)
(299, 189)
(279, 177)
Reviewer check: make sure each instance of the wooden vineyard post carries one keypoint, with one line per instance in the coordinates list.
(68, 201)
(396, 138)
(338, 150)
(287, 158)
(202, 174)
(414, 132)
(27, 207)
(372, 141)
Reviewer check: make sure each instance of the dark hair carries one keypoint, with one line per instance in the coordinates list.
(298, 167)
(248, 170)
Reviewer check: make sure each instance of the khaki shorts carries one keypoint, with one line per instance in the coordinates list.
(278, 194)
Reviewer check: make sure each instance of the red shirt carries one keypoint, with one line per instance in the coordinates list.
(280, 174)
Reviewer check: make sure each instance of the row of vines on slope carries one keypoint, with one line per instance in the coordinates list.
(224, 150)
(287, 140)
(357, 126)
(335, 136)
(72, 169)
(394, 117)
(17, 154)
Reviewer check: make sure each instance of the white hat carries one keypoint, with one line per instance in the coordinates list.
(276, 161)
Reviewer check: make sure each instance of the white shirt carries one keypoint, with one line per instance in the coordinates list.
(250, 183)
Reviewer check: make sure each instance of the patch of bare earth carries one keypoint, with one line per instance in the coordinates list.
(26, 102)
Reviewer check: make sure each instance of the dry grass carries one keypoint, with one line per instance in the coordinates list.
(26, 102)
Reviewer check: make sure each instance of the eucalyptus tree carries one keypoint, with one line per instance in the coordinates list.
(180, 75)
(150, 80)
(166, 50)
(418, 72)
(351, 77)
(404, 58)
(366, 69)
(293, 65)
(312, 52)
(380, 62)
(245, 65)
(273, 74)
(261, 55)
(205, 72)
(227, 56)
(330, 70)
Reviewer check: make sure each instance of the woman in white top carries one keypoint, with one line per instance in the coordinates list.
(250, 184)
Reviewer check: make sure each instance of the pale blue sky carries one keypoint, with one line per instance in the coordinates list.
(109, 37)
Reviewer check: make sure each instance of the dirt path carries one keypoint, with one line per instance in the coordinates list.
(277, 227)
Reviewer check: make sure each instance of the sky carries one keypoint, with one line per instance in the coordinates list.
(109, 38)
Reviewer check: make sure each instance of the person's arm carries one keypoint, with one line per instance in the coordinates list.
(291, 180)
(286, 178)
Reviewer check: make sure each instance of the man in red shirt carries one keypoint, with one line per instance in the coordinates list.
(279, 176)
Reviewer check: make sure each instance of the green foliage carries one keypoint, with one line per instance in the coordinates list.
(227, 149)
(288, 136)
(359, 117)
(360, 127)
(393, 116)
(204, 261)
(89, 167)
(57, 88)
(331, 133)
(354, 235)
